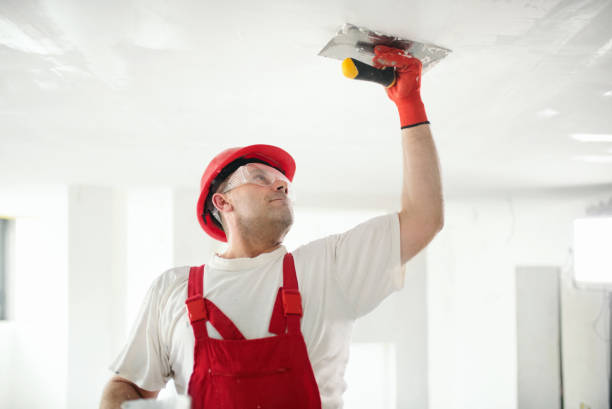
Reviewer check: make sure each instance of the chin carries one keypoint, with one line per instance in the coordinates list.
(284, 220)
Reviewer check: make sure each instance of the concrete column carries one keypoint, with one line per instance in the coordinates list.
(96, 289)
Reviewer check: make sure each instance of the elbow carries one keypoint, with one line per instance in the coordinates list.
(440, 223)
(436, 227)
(436, 223)
(438, 219)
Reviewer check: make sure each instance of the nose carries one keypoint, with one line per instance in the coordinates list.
(281, 185)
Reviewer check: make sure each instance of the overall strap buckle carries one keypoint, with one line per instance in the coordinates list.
(292, 302)
(196, 308)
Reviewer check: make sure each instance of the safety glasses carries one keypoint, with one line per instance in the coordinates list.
(255, 173)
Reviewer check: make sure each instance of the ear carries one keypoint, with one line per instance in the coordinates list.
(221, 202)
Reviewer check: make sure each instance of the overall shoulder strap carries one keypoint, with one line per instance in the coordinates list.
(196, 308)
(289, 275)
(288, 305)
(202, 310)
(196, 278)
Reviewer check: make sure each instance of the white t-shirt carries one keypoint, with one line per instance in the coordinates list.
(341, 277)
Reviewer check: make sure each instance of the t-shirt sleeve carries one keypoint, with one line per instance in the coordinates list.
(142, 359)
(367, 262)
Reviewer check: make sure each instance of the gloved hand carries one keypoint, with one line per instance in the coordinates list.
(406, 92)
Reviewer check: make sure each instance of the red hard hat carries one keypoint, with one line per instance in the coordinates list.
(271, 155)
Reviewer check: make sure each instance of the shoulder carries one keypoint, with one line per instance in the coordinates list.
(322, 247)
(172, 277)
(170, 282)
(327, 246)
(383, 222)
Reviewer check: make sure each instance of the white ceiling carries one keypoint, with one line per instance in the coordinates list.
(147, 92)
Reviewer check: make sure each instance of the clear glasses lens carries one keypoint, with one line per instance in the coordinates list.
(259, 174)
(255, 173)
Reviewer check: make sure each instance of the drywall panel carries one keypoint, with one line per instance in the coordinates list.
(538, 338)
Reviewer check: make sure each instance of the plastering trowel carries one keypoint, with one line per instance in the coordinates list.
(355, 47)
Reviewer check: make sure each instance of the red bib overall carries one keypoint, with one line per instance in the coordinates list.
(262, 373)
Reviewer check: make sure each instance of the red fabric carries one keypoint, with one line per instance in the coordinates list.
(201, 309)
(406, 93)
(263, 373)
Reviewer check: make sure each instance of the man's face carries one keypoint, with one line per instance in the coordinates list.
(262, 210)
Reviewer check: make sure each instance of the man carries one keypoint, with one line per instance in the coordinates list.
(264, 328)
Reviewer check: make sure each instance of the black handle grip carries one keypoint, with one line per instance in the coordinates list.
(357, 70)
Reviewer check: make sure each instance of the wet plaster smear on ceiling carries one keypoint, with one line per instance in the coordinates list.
(146, 92)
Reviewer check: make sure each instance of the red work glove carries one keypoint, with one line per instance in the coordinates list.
(406, 92)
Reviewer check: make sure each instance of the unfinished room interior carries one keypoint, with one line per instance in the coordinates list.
(306, 204)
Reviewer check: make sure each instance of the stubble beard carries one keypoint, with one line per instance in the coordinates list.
(270, 228)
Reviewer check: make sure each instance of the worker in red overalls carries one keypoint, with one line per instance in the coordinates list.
(258, 327)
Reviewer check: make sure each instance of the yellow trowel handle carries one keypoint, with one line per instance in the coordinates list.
(357, 70)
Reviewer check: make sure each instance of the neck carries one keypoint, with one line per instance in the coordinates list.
(250, 239)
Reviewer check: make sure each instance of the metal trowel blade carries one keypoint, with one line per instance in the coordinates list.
(359, 42)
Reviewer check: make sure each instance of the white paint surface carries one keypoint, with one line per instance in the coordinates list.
(147, 92)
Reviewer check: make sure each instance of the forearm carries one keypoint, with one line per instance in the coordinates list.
(422, 186)
(118, 391)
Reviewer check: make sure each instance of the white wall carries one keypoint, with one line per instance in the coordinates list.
(96, 288)
(453, 325)
(192, 246)
(34, 374)
(471, 287)
(119, 241)
(150, 234)
(538, 329)
(72, 291)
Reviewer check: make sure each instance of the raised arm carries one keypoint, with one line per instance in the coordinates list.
(422, 214)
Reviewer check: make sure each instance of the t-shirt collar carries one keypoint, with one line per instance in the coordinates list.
(246, 263)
